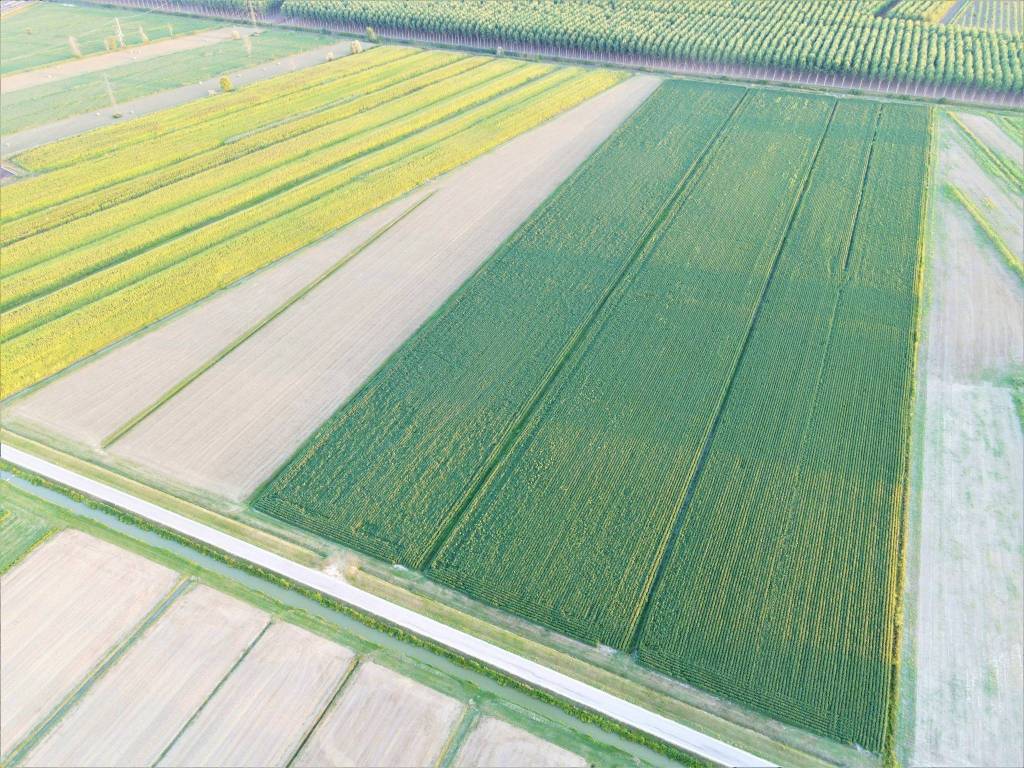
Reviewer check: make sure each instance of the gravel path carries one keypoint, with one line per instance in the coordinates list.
(526, 670)
(72, 126)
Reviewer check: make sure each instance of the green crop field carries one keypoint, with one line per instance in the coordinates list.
(670, 414)
(125, 225)
(38, 35)
(54, 101)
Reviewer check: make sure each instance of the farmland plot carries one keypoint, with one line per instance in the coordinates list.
(630, 424)
(314, 174)
(132, 712)
(215, 434)
(64, 606)
(964, 703)
(791, 528)
(382, 719)
(385, 472)
(266, 706)
(494, 743)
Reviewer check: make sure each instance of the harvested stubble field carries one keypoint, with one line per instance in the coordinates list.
(382, 719)
(133, 711)
(64, 607)
(124, 226)
(567, 375)
(108, 662)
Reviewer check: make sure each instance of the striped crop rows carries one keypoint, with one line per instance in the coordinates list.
(669, 415)
(97, 250)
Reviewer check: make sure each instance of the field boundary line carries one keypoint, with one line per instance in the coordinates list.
(1014, 263)
(116, 652)
(220, 684)
(457, 738)
(529, 672)
(343, 681)
(581, 336)
(860, 203)
(254, 329)
(671, 535)
(908, 566)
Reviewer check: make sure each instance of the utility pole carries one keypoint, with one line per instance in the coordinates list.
(110, 91)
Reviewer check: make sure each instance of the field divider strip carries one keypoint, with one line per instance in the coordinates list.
(673, 532)
(220, 684)
(346, 676)
(510, 437)
(183, 585)
(860, 199)
(253, 330)
(458, 735)
(520, 103)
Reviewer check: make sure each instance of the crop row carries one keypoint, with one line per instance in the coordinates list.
(135, 159)
(995, 15)
(842, 38)
(281, 140)
(52, 346)
(185, 206)
(83, 147)
(294, 192)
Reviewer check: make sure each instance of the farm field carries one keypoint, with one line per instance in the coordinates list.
(462, 489)
(139, 242)
(964, 701)
(48, 102)
(20, 531)
(37, 36)
(496, 744)
(65, 605)
(382, 718)
(208, 678)
(269, 703)
(214, 437)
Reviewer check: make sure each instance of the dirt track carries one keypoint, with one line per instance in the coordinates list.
(33, 77)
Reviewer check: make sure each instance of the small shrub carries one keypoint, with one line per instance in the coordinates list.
(371, 34)
(357, 47)
(226, 84)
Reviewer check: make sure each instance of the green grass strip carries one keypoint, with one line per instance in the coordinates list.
(1008, 171)
(1009, 256)
(248, 334)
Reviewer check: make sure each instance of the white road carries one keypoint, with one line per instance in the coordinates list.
(528, 671)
